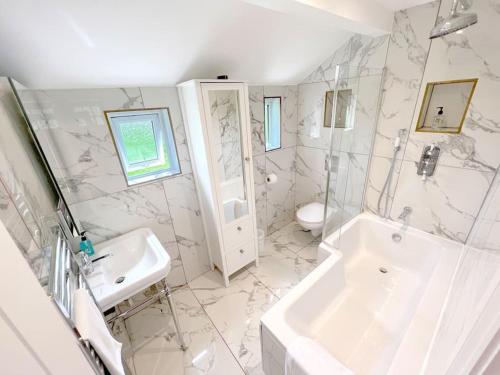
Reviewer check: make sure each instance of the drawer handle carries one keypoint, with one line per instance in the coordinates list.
(239, 228)
(242, 251)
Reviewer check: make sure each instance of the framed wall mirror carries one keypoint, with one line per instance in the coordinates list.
(445, 105)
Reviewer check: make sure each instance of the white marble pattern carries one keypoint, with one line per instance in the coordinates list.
(379, 168)
(259, 175)
(407, 53)
(291, 237)
(115, 214)
(310, 115)
(76, 139)
(280, 269)
(310, 177)
(443, 204)
(220, 325)
(281, 196)
(326, 71)
(264, 162)
(155, 349)
(412, 62)
(256, 101)
(235, 312)
(188, 226)
(472, 54)
(289, 98)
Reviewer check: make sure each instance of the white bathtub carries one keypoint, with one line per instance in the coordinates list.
(372, 322)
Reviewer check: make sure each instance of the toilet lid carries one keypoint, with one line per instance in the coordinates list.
(313, 213)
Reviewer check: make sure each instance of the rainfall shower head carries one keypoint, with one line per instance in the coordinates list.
(455, 21)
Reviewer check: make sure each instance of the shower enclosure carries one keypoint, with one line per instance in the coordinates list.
(355, 105)
(467, 338)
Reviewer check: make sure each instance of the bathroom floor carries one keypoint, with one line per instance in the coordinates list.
(220, 325)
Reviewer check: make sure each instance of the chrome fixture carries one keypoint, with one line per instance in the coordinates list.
(455, 21)
(86, 264)
(396, 237)
(405, 215)
(388, 180)
(428, 161)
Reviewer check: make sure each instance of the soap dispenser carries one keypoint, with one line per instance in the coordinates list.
(86, 245)
(439, 121)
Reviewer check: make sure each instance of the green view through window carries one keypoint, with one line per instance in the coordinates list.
(145, 144)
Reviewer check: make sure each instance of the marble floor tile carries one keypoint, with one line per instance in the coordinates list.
(292, 237)
(154, 345)
(310, 252)
(220, 325)
(236, 312)
(280, 269)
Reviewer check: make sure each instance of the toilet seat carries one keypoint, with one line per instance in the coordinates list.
(313, 213)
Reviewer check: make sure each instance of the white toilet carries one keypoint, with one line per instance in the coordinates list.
(310, 217)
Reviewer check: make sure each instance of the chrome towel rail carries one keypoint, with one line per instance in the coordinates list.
(64, 278)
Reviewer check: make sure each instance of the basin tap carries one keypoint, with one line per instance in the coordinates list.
(405, 215)
(86, 264)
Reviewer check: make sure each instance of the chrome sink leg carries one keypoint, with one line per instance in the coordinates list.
(171, 304)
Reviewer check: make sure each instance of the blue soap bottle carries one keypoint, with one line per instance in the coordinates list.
(86, 245)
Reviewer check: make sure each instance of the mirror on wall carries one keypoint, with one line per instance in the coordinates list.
(445, 105)
(225, 118)
(341, 111)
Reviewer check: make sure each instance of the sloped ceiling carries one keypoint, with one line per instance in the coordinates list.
(77, 43)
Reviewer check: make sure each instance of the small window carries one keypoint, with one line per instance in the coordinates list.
(145, 144)
(272, 123)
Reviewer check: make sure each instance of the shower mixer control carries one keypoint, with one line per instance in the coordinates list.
(428, 161)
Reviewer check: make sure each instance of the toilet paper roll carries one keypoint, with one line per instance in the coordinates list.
(271, 179)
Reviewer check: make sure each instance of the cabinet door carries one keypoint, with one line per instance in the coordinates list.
(226, 114)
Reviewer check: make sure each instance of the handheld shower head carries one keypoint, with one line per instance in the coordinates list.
(455, 21)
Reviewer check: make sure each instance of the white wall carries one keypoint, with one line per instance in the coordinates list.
(448, 203)
(72, 129)
(274, 203)
(361, 59)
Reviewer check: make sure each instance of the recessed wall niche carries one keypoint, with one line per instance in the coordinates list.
(445, 105)
(342, 108)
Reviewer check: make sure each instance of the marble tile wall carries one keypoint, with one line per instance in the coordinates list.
(361, 60)
(275, 204)
(27, 201)
(73, 131)
(447, 203)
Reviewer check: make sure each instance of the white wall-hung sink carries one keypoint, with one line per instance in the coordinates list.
(125, 265)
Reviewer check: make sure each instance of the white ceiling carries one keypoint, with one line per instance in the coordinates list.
(92, 43)
(395, 5)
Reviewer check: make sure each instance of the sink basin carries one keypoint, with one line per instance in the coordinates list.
(125, 265)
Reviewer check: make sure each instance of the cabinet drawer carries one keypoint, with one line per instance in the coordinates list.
(238, 233)
(240, 256)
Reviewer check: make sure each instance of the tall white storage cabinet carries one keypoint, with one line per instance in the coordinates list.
(216, 115)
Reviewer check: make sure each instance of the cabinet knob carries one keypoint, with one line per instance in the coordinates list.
(242, 251)
(239, 228)
(247, 158)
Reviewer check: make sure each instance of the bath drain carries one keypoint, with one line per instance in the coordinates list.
(120, 280)
(383, 269)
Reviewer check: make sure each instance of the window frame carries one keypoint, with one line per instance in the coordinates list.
(164, 141)
(265, 138)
